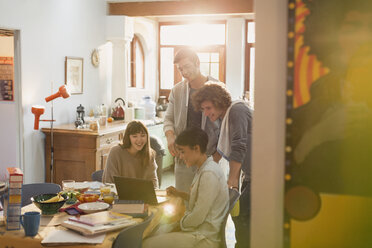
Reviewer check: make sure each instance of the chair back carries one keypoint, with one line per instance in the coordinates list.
(32, 189)
(233, 198)
(131, 237)
(97, 175)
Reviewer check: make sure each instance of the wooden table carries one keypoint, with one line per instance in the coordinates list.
(17, 238)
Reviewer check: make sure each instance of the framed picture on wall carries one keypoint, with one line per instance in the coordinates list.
(74, 74)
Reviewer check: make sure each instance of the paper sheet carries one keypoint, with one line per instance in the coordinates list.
(53, 220)
(69, 237)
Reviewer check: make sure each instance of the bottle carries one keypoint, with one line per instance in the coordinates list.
(103, 110)
(149, 107)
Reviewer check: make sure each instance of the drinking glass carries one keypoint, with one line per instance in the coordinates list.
(68, 185)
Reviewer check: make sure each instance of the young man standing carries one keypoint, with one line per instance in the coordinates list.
(181, 115)
(234, 144)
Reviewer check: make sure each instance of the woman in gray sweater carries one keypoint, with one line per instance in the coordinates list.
(132, 158)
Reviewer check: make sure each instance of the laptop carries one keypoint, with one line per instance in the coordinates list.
(136, 189)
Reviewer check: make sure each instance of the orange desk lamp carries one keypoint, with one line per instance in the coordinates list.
(39, 110)
(62, 91)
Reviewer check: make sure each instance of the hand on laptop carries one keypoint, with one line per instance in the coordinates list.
(172, 191)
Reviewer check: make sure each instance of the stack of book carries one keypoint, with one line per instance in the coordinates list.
(12, 202)
(135, 208)
(100, 222)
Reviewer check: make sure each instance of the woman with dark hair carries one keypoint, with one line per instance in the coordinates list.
(208, 198)
(133, 157)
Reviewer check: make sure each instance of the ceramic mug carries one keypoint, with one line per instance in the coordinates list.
(30, 222)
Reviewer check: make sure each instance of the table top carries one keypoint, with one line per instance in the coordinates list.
(17, 238)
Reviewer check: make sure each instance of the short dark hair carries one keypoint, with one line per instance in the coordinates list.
(193, 136)
(186, 53)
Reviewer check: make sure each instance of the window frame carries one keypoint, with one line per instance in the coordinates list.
(133, 62)
(221, 49)
(248, 47)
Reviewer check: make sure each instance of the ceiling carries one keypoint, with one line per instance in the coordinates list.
(178, 7)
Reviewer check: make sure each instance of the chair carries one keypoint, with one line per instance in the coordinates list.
(233, 198)
(157, 145)
(32, 189)
(97, 176)
(131, 237)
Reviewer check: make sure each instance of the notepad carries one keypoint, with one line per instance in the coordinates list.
(56, 237)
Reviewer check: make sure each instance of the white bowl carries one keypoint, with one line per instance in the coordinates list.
(92, 207)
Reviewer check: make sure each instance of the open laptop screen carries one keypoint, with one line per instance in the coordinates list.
(135, 189)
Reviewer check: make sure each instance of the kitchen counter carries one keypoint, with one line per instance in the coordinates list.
(79, 152)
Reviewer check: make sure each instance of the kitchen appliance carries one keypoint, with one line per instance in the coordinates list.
(118, 112)
(80, 113)
(161, 106)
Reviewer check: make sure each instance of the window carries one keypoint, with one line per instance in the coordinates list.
(208, 39)
(137, 64)
(249, 56)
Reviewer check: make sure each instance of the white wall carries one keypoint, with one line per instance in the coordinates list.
(268, 124)
(147, 31)
(8, 113)
(49, 31)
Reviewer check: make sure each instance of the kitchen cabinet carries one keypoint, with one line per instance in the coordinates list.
(80, 152)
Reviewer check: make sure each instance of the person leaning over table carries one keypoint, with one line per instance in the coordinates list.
(132, 158)
(234, 144)
(181, 115)
(208, 201)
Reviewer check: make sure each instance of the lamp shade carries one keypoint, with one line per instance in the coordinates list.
(62, 91)
(37, 110)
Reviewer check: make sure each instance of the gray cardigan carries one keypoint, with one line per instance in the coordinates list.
(176, 115)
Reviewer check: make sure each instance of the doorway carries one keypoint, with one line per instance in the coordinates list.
(11, 130)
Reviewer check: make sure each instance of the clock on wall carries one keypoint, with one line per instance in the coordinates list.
(95, 58)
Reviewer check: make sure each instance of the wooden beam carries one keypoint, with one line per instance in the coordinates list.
(185, 7)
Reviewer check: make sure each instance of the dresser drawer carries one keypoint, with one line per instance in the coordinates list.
(109, 140)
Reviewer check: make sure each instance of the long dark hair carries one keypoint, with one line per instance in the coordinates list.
(135, 127)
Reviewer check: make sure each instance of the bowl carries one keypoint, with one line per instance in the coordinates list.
(88, 198)
(92, 207)
(48, 208)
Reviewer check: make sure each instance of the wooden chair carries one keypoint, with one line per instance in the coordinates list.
(131, 237)
(32, 189)
(97, 175)
(233, 198)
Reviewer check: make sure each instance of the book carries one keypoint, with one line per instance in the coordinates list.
(100, 222)
(13, 198)
(100, 218)
(14, 174)
(134, 208)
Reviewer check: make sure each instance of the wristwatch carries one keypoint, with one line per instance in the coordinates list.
(234, 187)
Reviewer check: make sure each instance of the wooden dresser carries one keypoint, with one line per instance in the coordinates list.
(80, 152)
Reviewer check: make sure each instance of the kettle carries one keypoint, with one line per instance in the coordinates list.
(118, 111)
